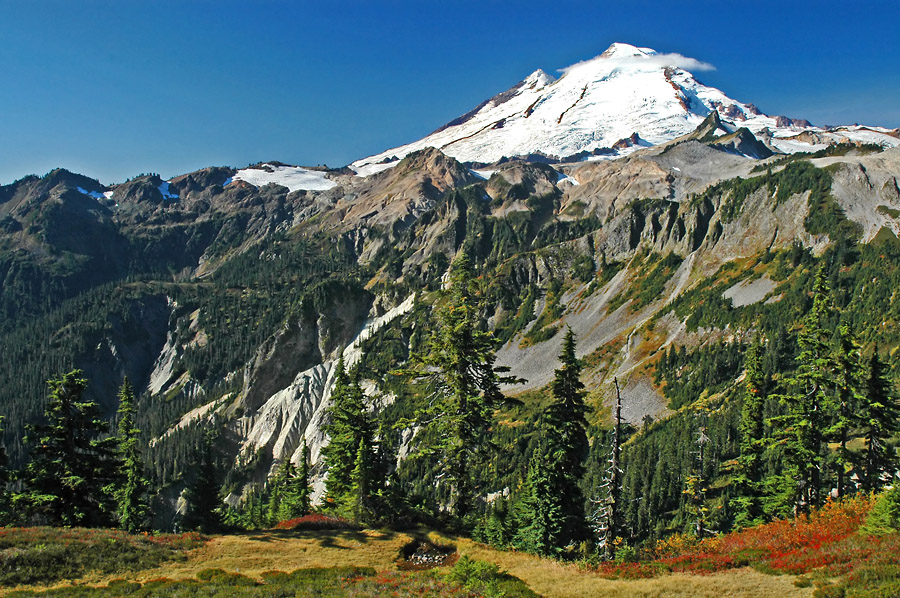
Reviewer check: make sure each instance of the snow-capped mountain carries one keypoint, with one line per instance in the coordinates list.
(625, 98)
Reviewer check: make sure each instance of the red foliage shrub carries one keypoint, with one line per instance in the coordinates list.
(827, 541)
(316, 521)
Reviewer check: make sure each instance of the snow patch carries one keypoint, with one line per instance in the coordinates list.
(564, 178)
(483, 174)
(791, 146)
(370, 169)
(94, 194)
(292, 177)
(164, 189)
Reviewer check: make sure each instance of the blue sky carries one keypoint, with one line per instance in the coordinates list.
(115, 88)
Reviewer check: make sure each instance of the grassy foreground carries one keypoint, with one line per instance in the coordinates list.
(823, 555)
(345, 563)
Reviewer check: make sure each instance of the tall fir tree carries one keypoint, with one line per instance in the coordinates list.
(204, 511)
(747, 482)
(459, 362)
(843, 406)
(131, 488)
(800, 431)
(358, 500)
(879, 416)
(289, 490)
(279, 485)
(349, 425)
(696, 484)
(301, 488)
(607, 518)
(565, 430)
(71, 467)
(540, 510)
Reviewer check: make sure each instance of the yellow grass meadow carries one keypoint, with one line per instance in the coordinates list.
(286, 550)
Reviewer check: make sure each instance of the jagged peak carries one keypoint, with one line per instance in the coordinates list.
(538, 79)
(707, 129)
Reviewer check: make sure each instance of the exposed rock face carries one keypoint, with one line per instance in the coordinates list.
(394, 198)
(279, 361)
(128, 348)
(867, 190)
(294, 409)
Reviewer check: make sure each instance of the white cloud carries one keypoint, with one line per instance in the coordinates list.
(661, 60)
(683, 62)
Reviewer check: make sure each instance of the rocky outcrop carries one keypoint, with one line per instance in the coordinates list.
(281, 358)
(298, 408)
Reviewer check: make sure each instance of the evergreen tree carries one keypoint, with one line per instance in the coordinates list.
(71, 467)
(459, 362)
(884, 518)
(565, 431)
(349, 426)
(748, 476)
(301, 488)
(358, 500)
(289, 490)
(879, 416)
(540, 510)
(278, 487)
(498, 526)
(133, 507)
(848, 379)
(202, 493)
(800, 431)
(6, 514)
(696, 484)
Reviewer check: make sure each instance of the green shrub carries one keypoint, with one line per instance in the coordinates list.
(123, 586)
(208, 574)
(583, 268)
(487, 580)
(648, 282)
(274, 577)
(232, 579)
(885, 516)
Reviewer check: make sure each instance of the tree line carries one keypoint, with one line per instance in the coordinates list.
(823, 430)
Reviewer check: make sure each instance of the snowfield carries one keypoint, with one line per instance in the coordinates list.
(292, 177)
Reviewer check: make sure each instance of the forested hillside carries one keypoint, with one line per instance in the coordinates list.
(434, 343)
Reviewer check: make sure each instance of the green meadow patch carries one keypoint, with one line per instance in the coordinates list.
(46, 554)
